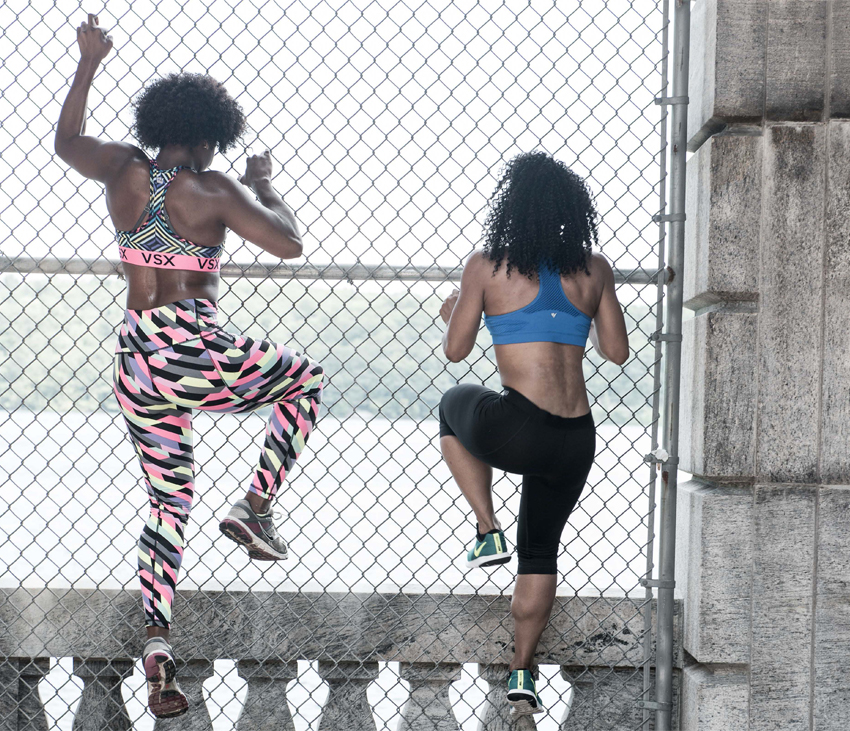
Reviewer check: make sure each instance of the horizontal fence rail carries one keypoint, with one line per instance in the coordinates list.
(353, 272)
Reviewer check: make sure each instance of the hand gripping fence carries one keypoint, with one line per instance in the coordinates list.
(389, 122)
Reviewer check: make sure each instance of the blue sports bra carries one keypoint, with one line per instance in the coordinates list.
(550, 318)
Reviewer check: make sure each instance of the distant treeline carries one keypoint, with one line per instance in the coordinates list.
(378, 341)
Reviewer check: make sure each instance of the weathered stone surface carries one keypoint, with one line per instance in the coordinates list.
(724, 216)
(796, 60)
(714, 569)
(428, 708)
(835, 423)
(714, 698)
(832, 616)
(718, 435)
(727, 63)
(21, 708)
(347, 705)
(321, 626)
(782, 607)
(790, 292)
(839, 22)
(265, 707)
(102, 705)
(497, 710)
(603, 699)
(191, 676)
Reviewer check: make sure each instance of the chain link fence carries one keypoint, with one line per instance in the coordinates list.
(389, 122)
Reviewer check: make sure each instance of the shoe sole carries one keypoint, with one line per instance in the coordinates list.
(165, 699)
(523, 704)
(237, 531)
(485, 561)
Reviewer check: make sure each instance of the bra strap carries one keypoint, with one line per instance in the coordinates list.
(159, 182)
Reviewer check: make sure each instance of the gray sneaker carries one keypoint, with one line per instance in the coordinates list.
(256, 532)
(165, 699)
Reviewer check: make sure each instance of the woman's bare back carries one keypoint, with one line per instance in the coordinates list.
(549, 374)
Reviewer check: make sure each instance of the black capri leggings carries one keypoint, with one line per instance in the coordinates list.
(552, 453)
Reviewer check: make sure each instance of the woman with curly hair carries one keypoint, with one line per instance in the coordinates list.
(171, 215)
(542, 292)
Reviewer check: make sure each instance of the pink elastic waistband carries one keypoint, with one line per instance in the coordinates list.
(160, 260)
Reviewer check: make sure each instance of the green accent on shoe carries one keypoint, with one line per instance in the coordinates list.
(522, 694)
(492, 551)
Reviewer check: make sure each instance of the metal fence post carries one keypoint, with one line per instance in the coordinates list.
(673, 338)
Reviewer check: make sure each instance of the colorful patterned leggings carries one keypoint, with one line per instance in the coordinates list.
(171, 360)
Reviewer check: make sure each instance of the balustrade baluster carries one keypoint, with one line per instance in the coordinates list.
(497, 711)
(347, 707)
(101, 706)
(265, 707)
(191, 676)
(20, 705)
(429, 708)
(603, 699)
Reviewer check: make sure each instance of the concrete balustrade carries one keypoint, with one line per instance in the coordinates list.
(431, 636)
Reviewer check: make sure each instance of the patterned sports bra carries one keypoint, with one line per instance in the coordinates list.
(154, 243)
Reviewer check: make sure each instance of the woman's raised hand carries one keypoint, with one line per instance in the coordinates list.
(95, 45)
(257, 167)
(449, 305)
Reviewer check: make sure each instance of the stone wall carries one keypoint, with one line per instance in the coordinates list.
(598, 643)
(764, 539)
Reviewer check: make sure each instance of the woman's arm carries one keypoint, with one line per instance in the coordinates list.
(462, 310)
(89, 156)
(269, 223)
(608, 329)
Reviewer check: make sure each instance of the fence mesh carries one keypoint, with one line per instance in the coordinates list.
(388, 122)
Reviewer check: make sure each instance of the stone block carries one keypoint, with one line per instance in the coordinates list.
(835, 417)
(714, 698)
(790, 301)
(782, 607)
(724, 216)
(796, 60)
(714, 570)
(603, 699)
(839, 78)
(719, 395)
(727, 64)
(832, 615)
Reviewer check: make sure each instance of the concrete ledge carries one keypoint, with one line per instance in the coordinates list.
(433, 628)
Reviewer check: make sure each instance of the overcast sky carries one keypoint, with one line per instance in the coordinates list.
(388, 127)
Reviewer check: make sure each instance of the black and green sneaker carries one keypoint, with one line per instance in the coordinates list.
(491, 549)
(522, 694)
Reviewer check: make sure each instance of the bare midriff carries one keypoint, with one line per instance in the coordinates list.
(547, 374)
(149, 287)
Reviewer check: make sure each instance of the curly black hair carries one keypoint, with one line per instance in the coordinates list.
(187, 109)
(541, 211)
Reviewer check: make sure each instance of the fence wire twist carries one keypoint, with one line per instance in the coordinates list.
(389, 122)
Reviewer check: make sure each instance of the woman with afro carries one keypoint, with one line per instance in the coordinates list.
(171, 214)
(543, 293)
